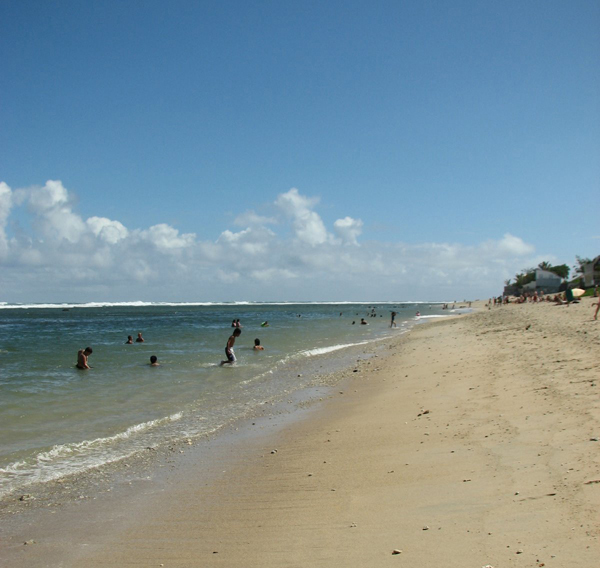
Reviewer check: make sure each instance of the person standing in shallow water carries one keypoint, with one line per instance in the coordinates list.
(82, 358)
(229, 347)
(139, 339)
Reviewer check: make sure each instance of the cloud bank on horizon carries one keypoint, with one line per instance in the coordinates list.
(48, 252)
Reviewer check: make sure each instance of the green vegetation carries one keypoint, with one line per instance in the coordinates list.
(561, 270)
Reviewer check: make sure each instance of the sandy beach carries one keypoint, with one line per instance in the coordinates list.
(470, 441)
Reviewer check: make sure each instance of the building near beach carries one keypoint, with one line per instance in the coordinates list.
(591, 272)
(544, 280)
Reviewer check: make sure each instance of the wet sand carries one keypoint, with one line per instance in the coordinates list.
(471, 441)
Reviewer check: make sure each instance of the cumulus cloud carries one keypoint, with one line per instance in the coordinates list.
(514, 245)
(308, 226)
(303, 260)
(167, 238)
(348, 230)
(52, 208)
(105, 229)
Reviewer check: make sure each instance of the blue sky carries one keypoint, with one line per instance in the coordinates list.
(306, 150)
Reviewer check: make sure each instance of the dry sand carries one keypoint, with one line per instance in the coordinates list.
(472, 441)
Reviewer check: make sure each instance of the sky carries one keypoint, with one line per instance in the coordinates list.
(294, 151)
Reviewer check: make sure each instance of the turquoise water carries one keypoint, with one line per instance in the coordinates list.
(56, 419)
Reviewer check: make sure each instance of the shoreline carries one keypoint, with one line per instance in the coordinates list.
(325, 370)
(475, 427)
(61, 421)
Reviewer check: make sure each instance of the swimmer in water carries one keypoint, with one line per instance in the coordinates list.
(154, 361)
(257, 345)
(129, 340)
(139, 339)
(82, 358)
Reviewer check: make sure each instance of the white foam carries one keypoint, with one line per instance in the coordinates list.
(58, 461)
(323, 350)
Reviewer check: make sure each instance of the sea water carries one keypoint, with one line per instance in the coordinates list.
(57, 420)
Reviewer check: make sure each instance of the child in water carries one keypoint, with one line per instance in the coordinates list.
(257, 345)
(229, 347)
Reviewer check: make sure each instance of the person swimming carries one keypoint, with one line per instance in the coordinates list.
(129, 340)
(264, 324)
(154, 361)
(139, 338)
(257, 345)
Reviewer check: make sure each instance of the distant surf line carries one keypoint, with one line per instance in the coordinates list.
(142, 304)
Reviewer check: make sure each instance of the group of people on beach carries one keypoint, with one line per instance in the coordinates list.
(564, 298)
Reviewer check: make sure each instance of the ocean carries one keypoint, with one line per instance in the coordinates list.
(57, 420)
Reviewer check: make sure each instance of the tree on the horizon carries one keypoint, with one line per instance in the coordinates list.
(561, 270)
(526, 276)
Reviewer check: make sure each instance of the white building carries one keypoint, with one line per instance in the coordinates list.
(591, 272)
(544, 280)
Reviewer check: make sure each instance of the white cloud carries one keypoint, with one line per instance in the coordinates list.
(252, 241)
(52, 207)
(273, 274)
(348, 229)
(251, 219)
(514, 245)
(308, 226)
(109, 231)
(166, 238)
(81, 257)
